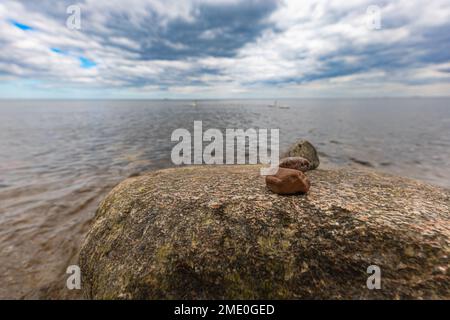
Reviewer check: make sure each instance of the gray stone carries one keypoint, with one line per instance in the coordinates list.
(305, 150)
(214, 232)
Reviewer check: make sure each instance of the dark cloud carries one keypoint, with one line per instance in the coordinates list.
(237, 43)
(217, 30)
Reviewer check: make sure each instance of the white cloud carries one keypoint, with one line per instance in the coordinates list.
(315, 47)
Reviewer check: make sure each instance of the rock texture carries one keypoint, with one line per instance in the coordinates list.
(305, 150)
(288, 181)
(297, 163)
(209, 232)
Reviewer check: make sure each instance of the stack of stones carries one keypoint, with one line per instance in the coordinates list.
(290, 177)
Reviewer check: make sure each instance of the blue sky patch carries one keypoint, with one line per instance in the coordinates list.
(57, 50)
(86, 63)
(21, 26)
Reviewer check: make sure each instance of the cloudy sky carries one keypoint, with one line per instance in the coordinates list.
(224, 49)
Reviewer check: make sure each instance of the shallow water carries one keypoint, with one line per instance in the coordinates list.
(59, 158)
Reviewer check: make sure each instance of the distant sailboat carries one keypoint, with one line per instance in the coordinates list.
(274, 105)
(194, 103)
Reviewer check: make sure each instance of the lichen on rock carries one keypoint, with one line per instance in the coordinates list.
(214, 232)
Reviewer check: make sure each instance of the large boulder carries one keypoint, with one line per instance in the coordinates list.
(208, 232)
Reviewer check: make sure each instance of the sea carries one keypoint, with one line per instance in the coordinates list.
(59, 158)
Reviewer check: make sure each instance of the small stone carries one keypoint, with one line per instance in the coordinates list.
(297, 163)
(305, 150)
(288, 181)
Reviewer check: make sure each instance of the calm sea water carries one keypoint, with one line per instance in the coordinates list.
(58, 158)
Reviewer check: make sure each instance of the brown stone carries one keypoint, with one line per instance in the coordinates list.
(288, 181)
(297, 163)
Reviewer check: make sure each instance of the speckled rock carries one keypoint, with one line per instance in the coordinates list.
(208, 232)
(297, 163)
(288, 181)
(305, 150)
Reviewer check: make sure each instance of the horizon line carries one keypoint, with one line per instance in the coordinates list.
(213, 99)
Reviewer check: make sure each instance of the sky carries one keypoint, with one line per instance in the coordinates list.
(207, 49)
